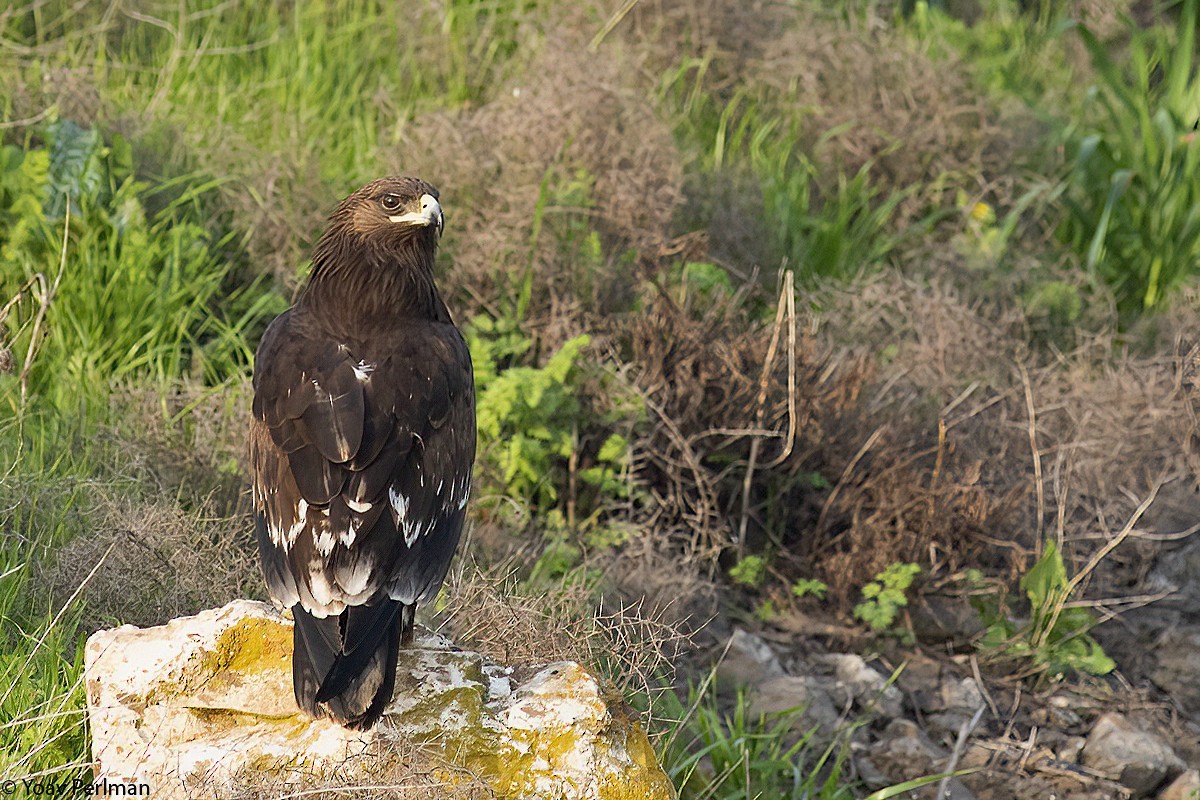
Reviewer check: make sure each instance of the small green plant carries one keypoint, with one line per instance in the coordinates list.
(1056, 639)
(737, 754)
(810, 587)
(1133, 190)
(749, 571)
(1052, 310)
(711, 752)
(886, 595)
(531, 423)
(525, 417)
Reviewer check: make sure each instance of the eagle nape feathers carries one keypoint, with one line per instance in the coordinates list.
(361, 446)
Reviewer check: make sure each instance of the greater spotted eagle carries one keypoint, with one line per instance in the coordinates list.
(361, 446)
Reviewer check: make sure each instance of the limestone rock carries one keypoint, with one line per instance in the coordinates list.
(786, 692)
(869, 690)
(961, 695)
(1138, 759)
(748, 660)
(202, 707)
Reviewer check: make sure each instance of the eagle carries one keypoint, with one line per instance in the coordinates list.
(361, 446)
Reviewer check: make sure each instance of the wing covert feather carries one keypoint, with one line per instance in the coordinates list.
(377, 454)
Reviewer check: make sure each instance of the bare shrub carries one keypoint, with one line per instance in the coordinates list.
(723, 35)
(917, 412)
(875, 98)
(577, 140)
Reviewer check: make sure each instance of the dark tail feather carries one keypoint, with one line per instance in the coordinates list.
(345, 666)
(408, 616)
(315, 645)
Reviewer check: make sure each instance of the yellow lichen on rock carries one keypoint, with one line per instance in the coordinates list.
(203, 707)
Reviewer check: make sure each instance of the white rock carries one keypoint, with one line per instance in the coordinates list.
(961, 695)
(202, 707)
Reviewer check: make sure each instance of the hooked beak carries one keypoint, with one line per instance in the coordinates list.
(430, 214)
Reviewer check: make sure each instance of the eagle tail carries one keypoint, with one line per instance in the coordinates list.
(345, 666)
(408, 617)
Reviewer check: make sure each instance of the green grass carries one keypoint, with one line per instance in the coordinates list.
(1133, 190)
(321, 83)
(108, 291)
(725, 751)
(42, 728)
(824, 221)
(732, 753)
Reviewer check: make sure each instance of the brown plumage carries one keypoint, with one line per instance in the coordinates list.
(361, 448)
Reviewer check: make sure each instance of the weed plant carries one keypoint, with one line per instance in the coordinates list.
(1133, 190)
(726, 751)
(107, 291)
(823, 222)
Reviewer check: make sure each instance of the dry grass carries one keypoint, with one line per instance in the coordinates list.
(389, 769)
(915, 404)
(577, 142)
(162, 562)
(632, 644)
(918, 122)
(1106, 429)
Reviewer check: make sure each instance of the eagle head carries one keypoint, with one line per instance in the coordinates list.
(377, 256)
(392, 210)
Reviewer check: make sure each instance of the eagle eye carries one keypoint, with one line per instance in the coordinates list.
(391, 202)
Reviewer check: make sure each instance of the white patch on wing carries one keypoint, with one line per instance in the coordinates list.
(363, 370)
(355, 505)
(321, 612)
(456, 500)
(322, 591)
(325, 540)
(348, 536)
(411, 532)
(354, 581)
(400, 506)
(285, 539)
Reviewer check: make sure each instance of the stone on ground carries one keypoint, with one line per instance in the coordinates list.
(1139, 759)
(202, 707)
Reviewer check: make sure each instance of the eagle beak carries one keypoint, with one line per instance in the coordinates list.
(430, 214)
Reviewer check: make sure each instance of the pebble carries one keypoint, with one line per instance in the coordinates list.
(1137, 759)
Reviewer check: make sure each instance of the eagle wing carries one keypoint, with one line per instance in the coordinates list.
(361, 456)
